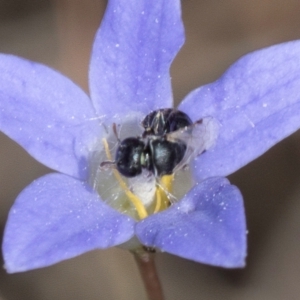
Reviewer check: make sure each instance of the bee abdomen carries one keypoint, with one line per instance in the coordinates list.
(166, 156)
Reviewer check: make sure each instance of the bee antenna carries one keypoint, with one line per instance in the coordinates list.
(107, 163)
(114, 126)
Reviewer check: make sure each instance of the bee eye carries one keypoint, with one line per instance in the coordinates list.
(128, 157)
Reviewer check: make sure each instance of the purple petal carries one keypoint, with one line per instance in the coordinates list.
(132, 53)
(207, 226)
(47, 114)
(257, 102)
(58, 217)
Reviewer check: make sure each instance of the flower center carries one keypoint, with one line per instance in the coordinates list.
(163, 190)
(136, 164)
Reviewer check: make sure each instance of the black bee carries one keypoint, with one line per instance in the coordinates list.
(163, 121)
(169, 141)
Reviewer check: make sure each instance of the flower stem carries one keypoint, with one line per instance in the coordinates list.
(146, 265)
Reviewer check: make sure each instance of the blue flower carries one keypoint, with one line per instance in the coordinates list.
(61, 215)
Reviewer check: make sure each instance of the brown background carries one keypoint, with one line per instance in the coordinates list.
(60, 33)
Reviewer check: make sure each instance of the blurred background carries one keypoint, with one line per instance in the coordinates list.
(60, 34)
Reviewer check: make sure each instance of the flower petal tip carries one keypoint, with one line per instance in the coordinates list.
(207, 225)
(58, 217)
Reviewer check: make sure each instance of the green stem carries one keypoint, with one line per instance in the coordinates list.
(146, 265)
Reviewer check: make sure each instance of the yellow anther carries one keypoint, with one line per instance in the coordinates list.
(158, 200)
(137, 203)
(164, 187)
(166, 181)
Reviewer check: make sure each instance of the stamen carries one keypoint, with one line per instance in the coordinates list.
(163, 190)
(166, 181)
(137, 203)
(158, 200)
